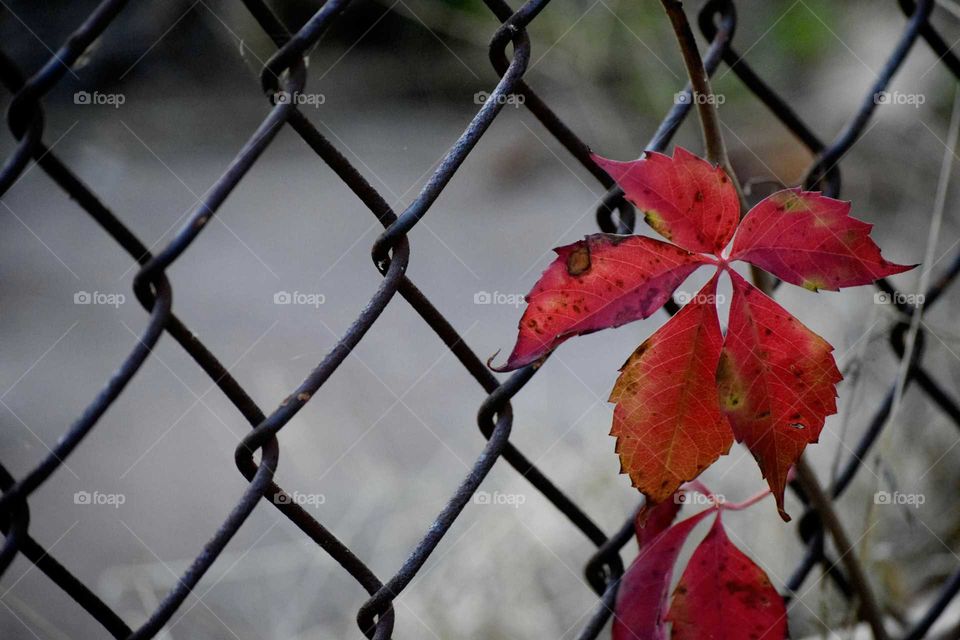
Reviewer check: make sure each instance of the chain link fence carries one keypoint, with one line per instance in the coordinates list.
(257, 456)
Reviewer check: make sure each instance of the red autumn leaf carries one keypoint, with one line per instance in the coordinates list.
(641, 604)
(811, 241)
(777, 383)
(667, 421)
(685, 199)
(600, 282)
(724, 594)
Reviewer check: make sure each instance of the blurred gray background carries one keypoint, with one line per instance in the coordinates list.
(377, 452)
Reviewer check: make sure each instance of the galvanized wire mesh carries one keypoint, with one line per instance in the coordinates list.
(257, 456)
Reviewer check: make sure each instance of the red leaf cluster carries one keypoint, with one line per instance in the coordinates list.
(721, 594)
(688, 390)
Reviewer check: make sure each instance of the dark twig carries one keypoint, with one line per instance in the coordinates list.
(700, 82)
(869, 608)
(703, 98)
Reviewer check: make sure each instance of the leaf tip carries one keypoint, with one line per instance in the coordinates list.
(781, 509)
(502, 368)
(902, 268)
(604, 163)
(516, 361)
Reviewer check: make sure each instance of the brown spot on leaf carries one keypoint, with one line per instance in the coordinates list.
(578, 262)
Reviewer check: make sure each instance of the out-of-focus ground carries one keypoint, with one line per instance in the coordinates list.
(378, 451)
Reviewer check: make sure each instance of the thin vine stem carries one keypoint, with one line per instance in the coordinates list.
(700, 82)
(702, 95)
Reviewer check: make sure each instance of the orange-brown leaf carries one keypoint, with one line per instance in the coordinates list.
(667, 421)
